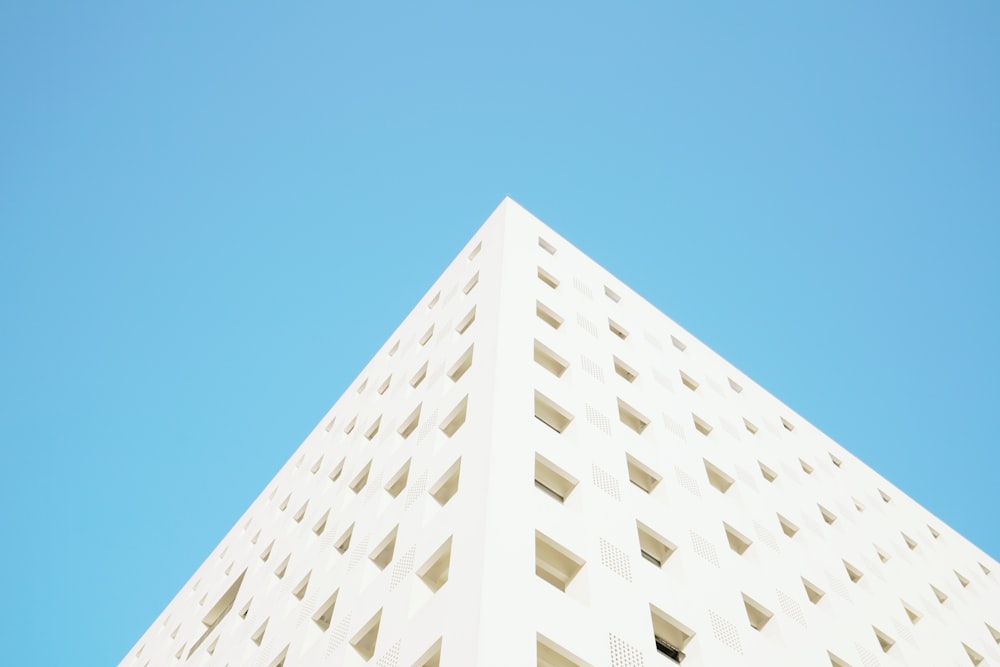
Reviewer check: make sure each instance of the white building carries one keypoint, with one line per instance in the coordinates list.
(539, 467)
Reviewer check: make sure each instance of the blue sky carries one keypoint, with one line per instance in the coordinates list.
(213, 214)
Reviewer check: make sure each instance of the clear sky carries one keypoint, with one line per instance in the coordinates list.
(213, 214)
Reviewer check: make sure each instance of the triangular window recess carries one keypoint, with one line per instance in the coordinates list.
(229, 568)
(735, 386)
(321, 524)
(456, 418)
(211, 647)
(941, 597)
(553, 480)
(385, 385)
(994, 633)
(768, 474)
(279, 571)
(365, 639)
(180, 653)
(324, 615)
(463, 364)
(337, 469)
(787, 527)
(857, 505)
(617, 329)
(410, 424)
(641, 475)
(653, 546)
(350, 425)
(548, 278)
(808, 469)
(245, 611)
(884, 641)
(624, 370)
(396, 485)
(828, 516)
(546, 357)
(316, 466)
(546, 246)
(688, 381)
(671, 636)
(551, 414)
(631, 417)
(361, 478)
(837, 662)
(473, 281)
(701, 425)
(427, 336)
(343, 543)
(749, 426)
(738, 542)
(284, 503)
(201, 602)
(837, 462)
(678, 344)
(266, 553)
(173, 635)
(985, 569)
(787, 424)
(547, 315)
(258, 636)
(813, 592)
(373, 429)
(910, 542)
(382, 555)
(300, 590)
(419, 376)
(935, 534)
(882, 556)
(854, 573)
(757, 614)
(431, 657)
(329, 424)
(447, 486)
(466, 322)
(361, 387)
(962, 580)
(554, 563)
(279, 660)
(611, 294)
(301, 513)
(910, 613)
(434, 572)
(884, 495)
(394, 349)
(475, 251)
(720, 480)
(973, 656)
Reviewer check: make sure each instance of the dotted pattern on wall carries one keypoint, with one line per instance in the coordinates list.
(674, 427)
(583, 288)
(586, 325)
(687, 482)
(428, 426)
(653, 340)
(616, 560)
(903, 632)
(391, 657)
(663, 381)
(704, 548)
(416, 491)
(725, 632)
(268, 652)
(868, 659)
(358, 552)
(603, 480)
(307, 608)
(766, 536)
(791, 608)
(338, 634)
(402, 567)
(746, 477)
(624, 654)
(838, 586)
(591, 368)
(598, 420)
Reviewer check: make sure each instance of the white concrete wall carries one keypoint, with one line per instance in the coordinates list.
(493, 607)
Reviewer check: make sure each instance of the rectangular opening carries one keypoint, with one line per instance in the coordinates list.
(547, 315)
(427, 336)
(337, 469)
(624, 370)
(419, 376)
(549, 360)
(546, 246)
(548, 278)
(475, 251)
(735, 386)
(431, 657)
(767, 473)
(749, 426)
(361, 478)
(813, 592)
(398, 481)
(678, 344)
(617, 329)
(884, 641)
(447, 486)
(787, 424)
(631, 417)
(411, 422)
(364, 641)
(456, 417)
(652, 546)
(550, 414)
(555, 563)
(473, 281)
(324, 615)
(434, 300)
(670, 636)
(373, 428)
(350, 425)
(701, 425)
(434, 572)
(757, 614)
(716, 477)
(806, 468)
(787, 527)
(463, 364)
(828, 516)
(738, 542)
(385, 385)
(688, 381)
(854, 573)
(641, 475)
(553, 480)
(550, 654)
(611, 294)
(343, 542)
(466, 321)
(382, 554)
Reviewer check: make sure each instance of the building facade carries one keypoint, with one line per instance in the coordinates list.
(540, 468)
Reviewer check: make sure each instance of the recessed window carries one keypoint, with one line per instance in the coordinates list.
(361, 387)
(885, 496)
(550, 414)
(466, 321)
(473, 281)
(624, 370)
(447, 486)
(985, 569)
(837, 662)
(546, 246)
(611, 294)
(734, 385)
(678, 344)
(329, 424)
(652, 546)
(258, 636)
(299, 591)
(394, 348)
(419, 376)
(553, 480)
(939, 594)
(701, 425)
(828, 516)
(548, 278)
(266, 553)
(806, 468)
(555, 563)
(364, 641)
(549, 360)
(427, 335)
(382, 554)
(670, 635)
(373, 428)
(935, 534)
(550, 654)
(337, 469)
(688, 381)
(434, 300)
(324, 615)
(911, 613)
(911, 544)
(813, 592)
(717, 478)
(857, 504)
(884, 640)
(787, 527)
(617, 329)
(431, 657)
(434, 572)
(315, 467)
(882, 556)
(475, 251)
(343, 542)
(411, 422)
(757, 614)
(284, 503)
(547, 315)
(631, 417)
(837, 462)
(973, 656)
(854, 573)
(320, 525)
(994, 633)
(641, 475)
(767, 473)
(738, 542)
(350, 425)
(301, 513)
(384, 386)
(282, 568)
(787, 424)
(398, 481)
(456, 417)
(361, 478)
(962, 580)
(463, 364)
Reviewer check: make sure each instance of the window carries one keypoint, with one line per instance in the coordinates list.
(316, 466)
(373, 429)
(447, 486)
(337, 469)
(617, 329)
(475, 251)
(473, 281)
(419, 376)
(720, 480)
(550, 654)
(624, 370)
(734, 385)
(382, 555)
(258, 636)
(837, 462)
(738, 542)
(962, 580)
(911, 613)
(329, 424)
(434, 300)
(806, 468)
(882, 556)
(396, 485)
(828, 516)
(611, 294)
(410, 424)
(994, 633)
(941, 597)
(973, 656)
(678, 344)
(553, 480)
(548, 278)
(300, 589)
(394, 348)
(670, 636)
(885, 496)
(935, 534)
(910, 542)
(837, 662)
(320, 525)
(434, 572)
(688, 381)
(854, 573)
(466, 322)
(653, 546)
(324, 615)
(749, 426)
(343, 543)
(456, 417)
(767, 473)
(427, 336)
(385, 385)
(547, 315)
(463, 364)
(554, 563)
(787, 424)
(813, 592)
(549, 360)
(546, 246)
(431, 657)
(364, 641)
(550, 414)
(361, 478)
(641, 475)
(884, 640)
(282, 568)
(757, 614)
(701, 425)
(787, 527)
(350, 425)
(632, 417)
